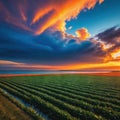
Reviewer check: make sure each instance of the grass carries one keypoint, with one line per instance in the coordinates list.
(66, 97)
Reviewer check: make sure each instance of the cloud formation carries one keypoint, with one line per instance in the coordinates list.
(36, 36)
(83, 33)
(52, 50)
(56, 47)
(37, 16)
(111, 37)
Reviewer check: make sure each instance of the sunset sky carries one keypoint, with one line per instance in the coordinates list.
(59, 35)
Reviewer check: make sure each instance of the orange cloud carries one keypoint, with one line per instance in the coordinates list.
(101, 1)
(37, 16)
(61, 11)
(83, 33)
(116, 53)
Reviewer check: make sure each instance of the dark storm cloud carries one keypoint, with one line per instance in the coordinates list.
(53, 47)
(111, 37)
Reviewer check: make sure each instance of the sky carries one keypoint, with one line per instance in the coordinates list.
(59, 35)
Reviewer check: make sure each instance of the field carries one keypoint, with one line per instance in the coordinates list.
(9, 111)
(64, 97)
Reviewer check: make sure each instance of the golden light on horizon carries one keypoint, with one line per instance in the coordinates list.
(77, 66)
(117, 54)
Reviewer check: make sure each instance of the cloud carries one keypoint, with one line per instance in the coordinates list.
(83, 33)
(37, 16)
(52, 48)
(111, 37)
(101, 1)
(70, 27)
(56, 48)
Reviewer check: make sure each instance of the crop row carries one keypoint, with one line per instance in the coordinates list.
(86, 91)
(72, 101)
(77, 83)
(105, 113)
(47, 108)
(82, 89)
(74, 111)
(28, 110)
(79, 94)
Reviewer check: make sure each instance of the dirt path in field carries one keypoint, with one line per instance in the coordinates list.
(9, 111)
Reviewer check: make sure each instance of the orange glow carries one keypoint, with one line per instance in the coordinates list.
(83, 34)
(101, 1)
(66, 11)
(108, 46)
(40, 13)
(112, 65)
(37, 16)
(50, 14)
(116, 53)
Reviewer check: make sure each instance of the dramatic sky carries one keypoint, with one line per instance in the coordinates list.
(59, 35)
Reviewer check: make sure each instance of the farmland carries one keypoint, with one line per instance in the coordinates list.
(65, 97)
(9, 111)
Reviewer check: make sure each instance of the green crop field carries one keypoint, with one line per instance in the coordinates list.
(65, 97)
